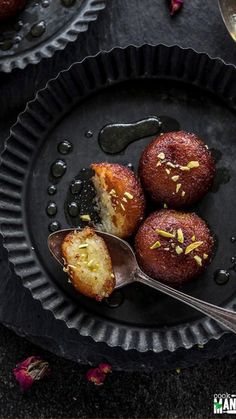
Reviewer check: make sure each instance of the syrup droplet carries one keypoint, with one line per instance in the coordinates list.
(6, 44)
(52, 190)
(115, 299)
(73, 209)
(17, 39)
(233, 259)
(84, 197)
(38, 29)
(76, 186)
(233, 239)
(221, 276)
(88, 134)
(51, 209)
(54, 226)
(58, 168)
(114, 138)
(130, 166)
(45, 3)
(65, 147)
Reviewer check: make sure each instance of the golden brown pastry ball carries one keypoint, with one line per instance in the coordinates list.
(176, 169)
(173, 246)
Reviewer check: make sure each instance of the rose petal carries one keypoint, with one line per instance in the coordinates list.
(96, 376)
(106, 368)
(23, 379)
(31, 369)
(175, 6)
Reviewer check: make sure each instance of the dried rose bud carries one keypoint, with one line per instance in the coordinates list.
(32, 369)
(96, 376)
(105, 368)
(175, 6)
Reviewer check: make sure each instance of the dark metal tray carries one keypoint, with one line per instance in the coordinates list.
(124, 84)
(38, 31)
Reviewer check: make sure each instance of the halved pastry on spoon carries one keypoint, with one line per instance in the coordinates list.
(88, 263)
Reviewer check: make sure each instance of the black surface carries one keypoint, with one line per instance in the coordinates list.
(66, 394)
(160, 82)
(156, 395)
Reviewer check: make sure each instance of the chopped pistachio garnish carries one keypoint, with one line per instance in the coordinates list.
(175, 178)
(193, 238)
(122, 206)
(178, 370)
(165, 205)
(183, 193)
(192, 247)
(180, 235)
(170, 164)
(198, 260)
(155, 245)
(161, 156)
(83, 245)
(65, 269)
(200, 346)
(167, 171)
(193, 164)
(112, 276)
(128, 195)
(85, 217)
(178, 250)
(184, 168)
(172, 245)
(93, 266)
(205, 256)
(124, 199)
(158, 163)
(178, 186)
(164, 233)
(166, 248)
(112, 192)
(90, 263)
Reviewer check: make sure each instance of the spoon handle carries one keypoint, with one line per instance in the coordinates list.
(226, 317)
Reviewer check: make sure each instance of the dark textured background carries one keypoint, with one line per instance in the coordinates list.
(125, 394)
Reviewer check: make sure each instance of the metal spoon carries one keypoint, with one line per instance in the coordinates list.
(126, 271)
(228, 13)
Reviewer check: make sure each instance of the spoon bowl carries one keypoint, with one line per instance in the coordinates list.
(126, 271)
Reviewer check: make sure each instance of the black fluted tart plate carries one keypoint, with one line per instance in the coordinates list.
(57, 138)
(42, 28)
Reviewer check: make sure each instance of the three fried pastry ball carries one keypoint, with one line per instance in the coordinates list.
(176, 169)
